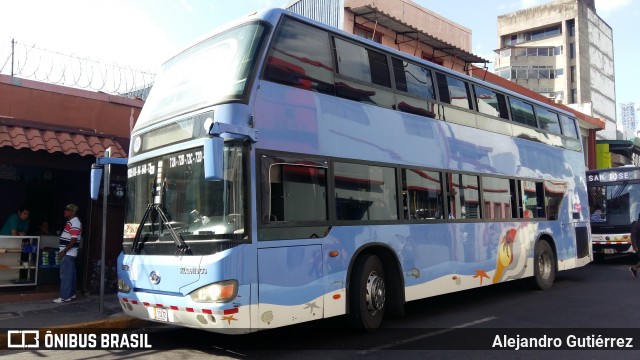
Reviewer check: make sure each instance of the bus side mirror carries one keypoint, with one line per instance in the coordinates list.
(96, 179)
(213, 157)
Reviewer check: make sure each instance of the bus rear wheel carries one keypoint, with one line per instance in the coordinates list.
(367, 297)
(544, 266)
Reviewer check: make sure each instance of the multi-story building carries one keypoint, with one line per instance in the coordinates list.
(564, 51)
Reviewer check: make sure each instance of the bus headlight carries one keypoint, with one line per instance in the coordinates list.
(122, 286)
(223, 291)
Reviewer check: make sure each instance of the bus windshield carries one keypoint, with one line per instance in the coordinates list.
(170, 204)
(211, 72)
(614, 204)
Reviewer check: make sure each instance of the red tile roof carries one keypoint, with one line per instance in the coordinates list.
(63, 141)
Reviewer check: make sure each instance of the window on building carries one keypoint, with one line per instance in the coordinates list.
(571, 27)
(557, 50)
(572, 50)
(368, 33)
(574, 96)
(573, 73)
(432, 58)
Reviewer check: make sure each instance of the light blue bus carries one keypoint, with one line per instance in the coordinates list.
(283, 171)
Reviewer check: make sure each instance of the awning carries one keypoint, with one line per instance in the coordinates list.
(58, 140)
(374, 14)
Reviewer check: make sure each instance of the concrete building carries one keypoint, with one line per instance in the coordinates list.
(564, 51)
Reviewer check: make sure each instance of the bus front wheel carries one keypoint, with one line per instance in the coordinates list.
(367, 297)
(544, 266)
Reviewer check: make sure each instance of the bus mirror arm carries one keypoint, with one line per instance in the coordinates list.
(214, 147)
(96, 173)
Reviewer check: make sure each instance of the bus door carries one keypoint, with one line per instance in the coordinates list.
(290, 285)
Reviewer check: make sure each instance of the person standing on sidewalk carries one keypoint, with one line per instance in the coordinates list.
(69, 243)
(635, 237)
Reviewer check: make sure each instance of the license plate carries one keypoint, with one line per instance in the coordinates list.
(161, 314)
(609, 251)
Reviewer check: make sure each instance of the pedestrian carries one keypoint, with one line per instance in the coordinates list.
(69, 243)
(17, 224)
(635, 237)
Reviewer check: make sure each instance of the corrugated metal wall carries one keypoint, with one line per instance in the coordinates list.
(330, 12)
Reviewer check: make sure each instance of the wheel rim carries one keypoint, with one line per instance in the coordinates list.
(375, 293)
(544, 265)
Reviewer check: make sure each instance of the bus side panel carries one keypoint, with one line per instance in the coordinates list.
(290, 285)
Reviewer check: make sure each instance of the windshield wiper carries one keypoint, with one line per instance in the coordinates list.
(136, 245)
(183, 248)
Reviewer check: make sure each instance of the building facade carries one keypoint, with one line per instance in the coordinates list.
(562, 50)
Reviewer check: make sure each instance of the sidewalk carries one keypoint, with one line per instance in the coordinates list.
(35, 310)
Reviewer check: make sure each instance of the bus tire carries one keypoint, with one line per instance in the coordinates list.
(544, 266)
(367, 298)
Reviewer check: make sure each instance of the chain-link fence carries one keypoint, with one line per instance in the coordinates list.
(33, 63)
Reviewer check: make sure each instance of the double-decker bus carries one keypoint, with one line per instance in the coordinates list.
(283, 171)
(614, 203)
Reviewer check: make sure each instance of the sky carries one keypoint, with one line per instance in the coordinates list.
(142, 34)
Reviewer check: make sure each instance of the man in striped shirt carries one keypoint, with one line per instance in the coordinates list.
(69, 243)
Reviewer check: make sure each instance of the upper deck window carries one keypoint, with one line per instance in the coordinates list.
(522, 112)
(491, 103)
(362, 64)
(548, 120)
(568, 126)
(453, 91)
(301, 57)
(413, 79)
(213, 71)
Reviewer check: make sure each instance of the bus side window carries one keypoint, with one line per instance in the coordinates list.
(453, 91)
(496, 193)
(422, 193)
(548, 120)
(416, 81)
(359, 68)
(365, 192)
(293, 190)
(491, 103)
(533, 199)
(301, 57)
(463, 193)
(522, 112)
(568, 127)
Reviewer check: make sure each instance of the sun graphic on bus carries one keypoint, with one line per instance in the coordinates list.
(505, 253)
